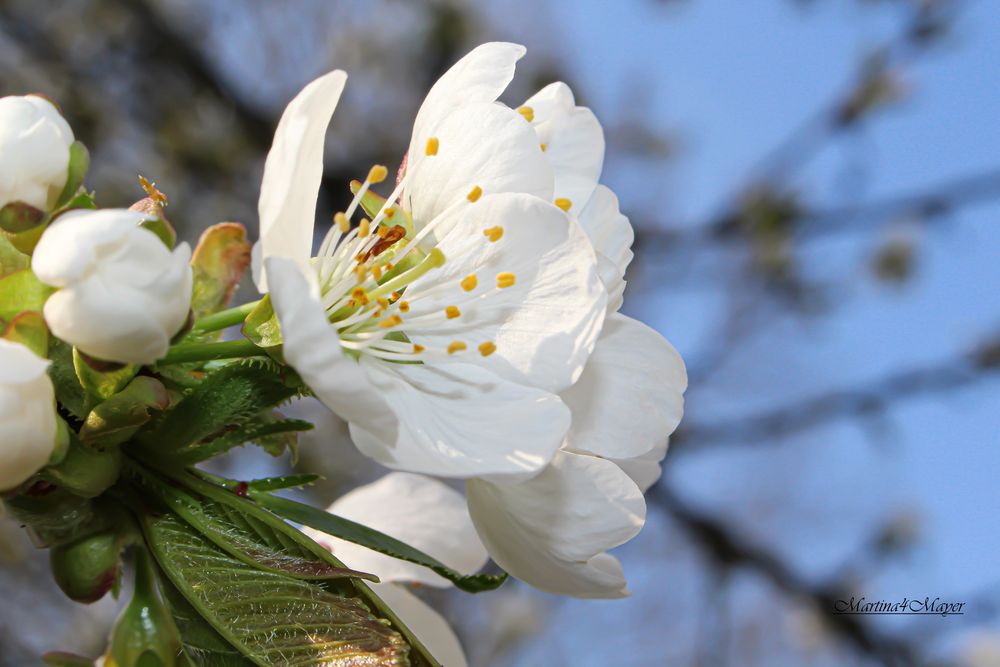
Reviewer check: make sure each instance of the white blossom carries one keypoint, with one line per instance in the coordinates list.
(34, 151)
(27, 414)
(122, 293)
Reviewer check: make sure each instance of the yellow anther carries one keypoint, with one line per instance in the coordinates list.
(377, 272)
(436, 258)
(361, 273)
(475, 194)
(505, 279)
(388, 267)
(469, 282)
(389, 212)
(364, 228)
(493, 233)
(544, 146)
(343, 224)
(358, 295)
(404, 306)
(487, 348)
(377, 173)
(452, 312)
(384, 303)
(564, 203)
(432, 146)
(417, 349)
(527, 112)
(390, 322)
(395, 296)
(382, 230)
(456, 346)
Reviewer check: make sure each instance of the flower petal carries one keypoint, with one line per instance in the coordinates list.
(645, 469)
(425, 623)
(545, 325)
(417, 510)
(482, 145)
(454, 421)
(313, 349)
(415, 417)
(552, 531)
(630, 397)
(292, 175)
(480, 76)
(573, 140)
(610, 232)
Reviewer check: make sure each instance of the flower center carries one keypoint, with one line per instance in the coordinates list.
(365, 273)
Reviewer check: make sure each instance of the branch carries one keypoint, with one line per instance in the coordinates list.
(770, 425)
(729, 550)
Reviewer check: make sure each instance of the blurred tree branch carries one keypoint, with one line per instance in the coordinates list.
(728, 550)
(765, 428)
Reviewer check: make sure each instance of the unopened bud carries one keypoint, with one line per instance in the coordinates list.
(88, 568)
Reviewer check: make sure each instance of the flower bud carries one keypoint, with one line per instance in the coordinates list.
(34, 151)
(27, 414)
(122, 293)
(88, 568)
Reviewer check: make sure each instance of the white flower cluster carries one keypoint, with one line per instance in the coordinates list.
(468, 330)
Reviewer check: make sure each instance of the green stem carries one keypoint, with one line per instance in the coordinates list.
(224, 318)
(230, 349)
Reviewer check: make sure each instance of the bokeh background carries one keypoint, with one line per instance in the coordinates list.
(815, 187)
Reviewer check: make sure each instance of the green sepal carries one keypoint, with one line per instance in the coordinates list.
(218, 263)
(101, 379)
(357, 533)
(79, 163)
(261, 325)
(28, 329)
(83, 471)
(22, 291)
(69, 392)
(12, 260)
(163, 230)
(83, 200)
(145, 634)
(119, 417)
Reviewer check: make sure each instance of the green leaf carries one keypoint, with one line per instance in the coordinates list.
(373, 539)
(246, 533)
(163, 230)
(218, 263)
(69, 392)
(79, 163)
(283, 482)
(52, 518)
(29, 330)
(122, 415)
(224, 400)
(261, 325)
(101, 379)
(22, 291)
(261, 430)
(274, 620)
(203, 646)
